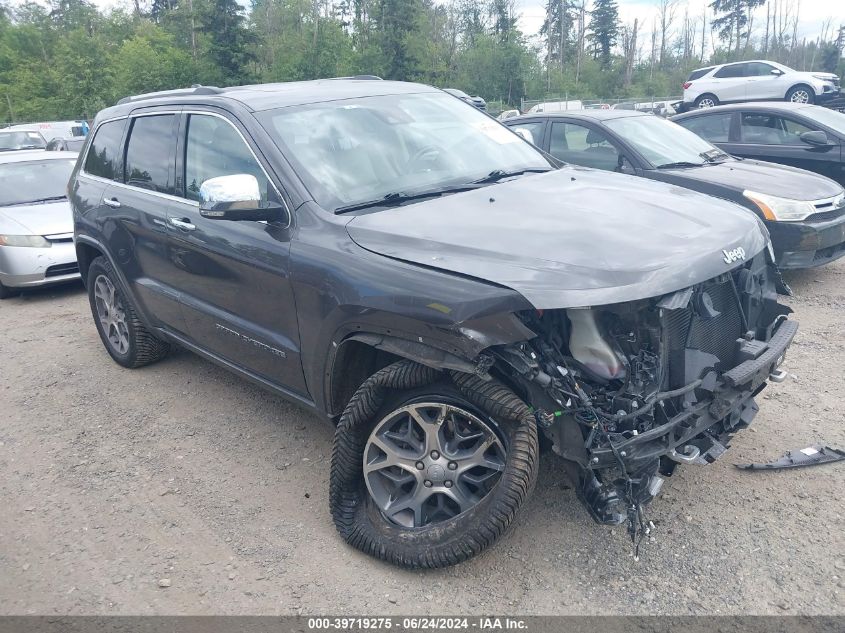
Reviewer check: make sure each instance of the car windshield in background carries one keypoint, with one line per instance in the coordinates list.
(21, 140)
(664, 143)
(35, 181)
(830, 118)
(358, 150)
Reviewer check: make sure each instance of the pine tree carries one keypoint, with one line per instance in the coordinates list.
(604, 29)
(397, 22)
(556, 30)
(229, 40)
(734, 17)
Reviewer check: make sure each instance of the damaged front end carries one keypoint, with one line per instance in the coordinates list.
(627, 391)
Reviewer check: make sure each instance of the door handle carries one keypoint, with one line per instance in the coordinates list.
(114, 203)
(182, 224)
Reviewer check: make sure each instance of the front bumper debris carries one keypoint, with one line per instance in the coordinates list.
(809, 456)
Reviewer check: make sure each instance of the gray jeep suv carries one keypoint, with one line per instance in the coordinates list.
(445, 293)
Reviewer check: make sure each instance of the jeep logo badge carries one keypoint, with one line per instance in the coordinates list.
(734, 255)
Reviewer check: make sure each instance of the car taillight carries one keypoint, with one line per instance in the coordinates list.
(687, 84)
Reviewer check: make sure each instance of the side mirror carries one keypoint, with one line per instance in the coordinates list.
(624, 166)
(816, 137)
(235, 197)
(524, 133)
(776, 72)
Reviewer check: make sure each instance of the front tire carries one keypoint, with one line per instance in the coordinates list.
(6, 292)
(406, 442)
(125, 338)
(801, 94)
(706, 101)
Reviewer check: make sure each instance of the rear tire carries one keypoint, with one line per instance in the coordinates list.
(125, 338)
(706, 101)
(455, 534)
(801, 94)
(7, 293)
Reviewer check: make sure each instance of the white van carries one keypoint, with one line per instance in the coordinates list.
(557, 106)
(56, 129)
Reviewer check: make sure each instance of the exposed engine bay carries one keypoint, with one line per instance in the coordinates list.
(626, 392)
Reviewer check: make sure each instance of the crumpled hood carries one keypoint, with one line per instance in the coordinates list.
(770, 178)
(37, 219)
(572, 237)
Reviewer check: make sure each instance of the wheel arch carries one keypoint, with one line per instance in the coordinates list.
(800, 84)
(86, 252)
(361, 354)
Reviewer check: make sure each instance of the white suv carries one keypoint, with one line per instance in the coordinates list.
(756, 80)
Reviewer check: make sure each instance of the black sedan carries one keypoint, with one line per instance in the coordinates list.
(804, 212)
(806, 136)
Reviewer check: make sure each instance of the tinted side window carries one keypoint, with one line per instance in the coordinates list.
(769, 129)
(715, 128)
(105, 149)
(758, 69)
(534, 129)
(150, 153)
(734, 70)
(698, 74)
(215, 148)
(583, 146)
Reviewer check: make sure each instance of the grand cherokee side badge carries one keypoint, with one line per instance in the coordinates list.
(734, 255)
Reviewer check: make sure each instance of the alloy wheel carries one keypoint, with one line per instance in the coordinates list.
(429, 462)
(800, 96)
(706, 103)
(111, 313)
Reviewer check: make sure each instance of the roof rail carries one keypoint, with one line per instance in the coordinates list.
(196, 89)
(359, 78)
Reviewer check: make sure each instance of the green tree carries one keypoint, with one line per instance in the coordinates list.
(604, 29)
(395, 25)
(733, 19)
(229, 44)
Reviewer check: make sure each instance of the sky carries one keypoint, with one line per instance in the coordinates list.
(812, 15)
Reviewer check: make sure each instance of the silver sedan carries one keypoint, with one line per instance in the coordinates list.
(36, 225)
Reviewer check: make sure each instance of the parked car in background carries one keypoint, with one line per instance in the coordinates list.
(36, 226)
(556, 106)
(806, 136)
(473, 100)
(660, 108)
(57, 129)
(757, 80)
(413, 270)
(804, 212)
(66, 144)
(21, 139)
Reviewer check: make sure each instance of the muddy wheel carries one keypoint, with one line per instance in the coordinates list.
(125, 338)
(428, 469)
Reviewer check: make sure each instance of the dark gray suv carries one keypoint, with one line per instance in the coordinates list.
(395, 260)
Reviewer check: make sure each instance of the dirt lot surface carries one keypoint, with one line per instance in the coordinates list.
(115, 482)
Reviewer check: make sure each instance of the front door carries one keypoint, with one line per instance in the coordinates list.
(234, 275)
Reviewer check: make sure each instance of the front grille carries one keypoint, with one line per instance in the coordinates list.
(717, 335)
(827, 215)
(62, 269)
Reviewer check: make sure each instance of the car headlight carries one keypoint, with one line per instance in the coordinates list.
(781, 209)
(31, 241)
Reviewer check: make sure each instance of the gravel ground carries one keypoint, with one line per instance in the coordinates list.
(179, 488)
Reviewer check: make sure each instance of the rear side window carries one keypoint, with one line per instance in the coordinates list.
(734, 70)
(105, 149)
(150, 153)
(698, 74)
(715, 128)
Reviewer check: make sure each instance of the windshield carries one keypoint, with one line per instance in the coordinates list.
(34, 181)
(830, 118)
(662, 142)
(21, 140)
(356, 150)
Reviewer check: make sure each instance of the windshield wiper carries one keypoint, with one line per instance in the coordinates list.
(500, 174)
(397, 198)
(680, 163)
(48, 199)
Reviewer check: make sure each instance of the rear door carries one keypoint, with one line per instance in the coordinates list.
(140, 239)
(716, 128)
(728, 83)
(235, 275)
